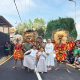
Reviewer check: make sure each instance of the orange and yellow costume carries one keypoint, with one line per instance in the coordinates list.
(70, 46)
(60, 38)
(18, 53)
(61, 54)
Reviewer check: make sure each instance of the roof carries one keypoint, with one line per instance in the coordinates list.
(3, 22)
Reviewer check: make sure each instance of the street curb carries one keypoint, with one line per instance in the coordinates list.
(72, 66)
(7, 59)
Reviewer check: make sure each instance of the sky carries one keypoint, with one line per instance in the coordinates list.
(46, 9)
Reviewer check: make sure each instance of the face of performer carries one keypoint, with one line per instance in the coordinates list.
(49, 40)
(34, 47)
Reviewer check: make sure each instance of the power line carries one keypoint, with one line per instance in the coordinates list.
(18, 11)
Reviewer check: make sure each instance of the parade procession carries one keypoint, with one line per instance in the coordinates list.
(40, 40)
(36, 53)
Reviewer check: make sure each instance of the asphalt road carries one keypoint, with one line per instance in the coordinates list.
(8, 73)
(62, 74)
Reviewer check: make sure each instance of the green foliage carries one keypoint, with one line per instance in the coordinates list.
(61, 23)
(40, 32)
(20, 28)
(37, 24)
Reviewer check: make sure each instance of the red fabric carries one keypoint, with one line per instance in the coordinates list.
(70, 46)
(61, 52)
(18, 53)
(18, 46)
(61, 57)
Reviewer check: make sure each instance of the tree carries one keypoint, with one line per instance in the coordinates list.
(20, 28)
(41, 32)
(40, 26)
(62, 23)
(37, 24)
(29, 24)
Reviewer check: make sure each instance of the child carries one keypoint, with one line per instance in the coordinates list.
(29, 58)
(41, 58)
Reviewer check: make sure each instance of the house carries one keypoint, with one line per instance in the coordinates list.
(4, 25)
(4, 30)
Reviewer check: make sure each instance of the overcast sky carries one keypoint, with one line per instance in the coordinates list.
(47, 9)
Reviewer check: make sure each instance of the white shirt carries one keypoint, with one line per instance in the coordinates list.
(32, 52)
(49, 48)
(42, 55)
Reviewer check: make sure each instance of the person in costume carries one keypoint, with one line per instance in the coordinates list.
(70, 51)
(30, 58)
(27, 45)
(18, 53)
(49, 49)
(61, 54)
(41, 58)
(60, 38)
(39, 42)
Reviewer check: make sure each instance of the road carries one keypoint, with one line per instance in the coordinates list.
(62, 74)
(8, 73)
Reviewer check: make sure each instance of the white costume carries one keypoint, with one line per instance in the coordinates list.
(49, 49)
(42, 66)
(29, 60)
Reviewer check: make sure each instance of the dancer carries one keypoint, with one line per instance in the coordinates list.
(60, 38)
(18, 53)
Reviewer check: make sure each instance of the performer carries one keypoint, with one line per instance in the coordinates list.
(49, 49)
(18, 53)
(39, 42)
(27, 45)
(60, 38)
(30, 59)
(70, 51)
(41, 58)
(61, 54)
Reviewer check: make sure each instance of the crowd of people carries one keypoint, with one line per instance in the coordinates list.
(44, 57)
(41, 58)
